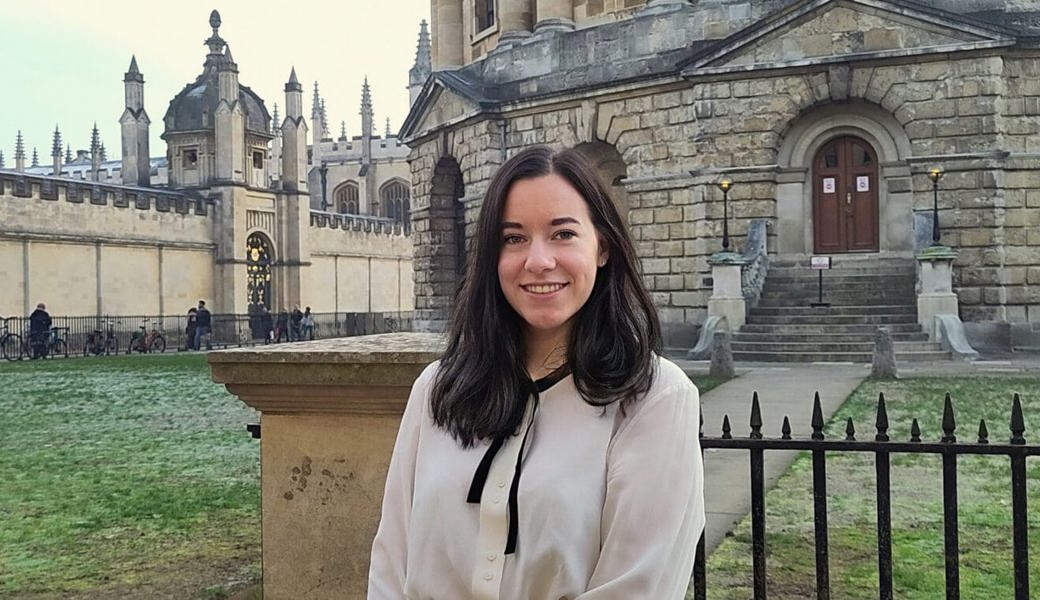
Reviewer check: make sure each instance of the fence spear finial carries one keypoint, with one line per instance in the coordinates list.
(948, 424)
(983, 432)
(881, 423)
(727, 433)
(850, 431)
(756, 418)
(1018, 423)
(817, 418)
(785, 429)
(915, 431)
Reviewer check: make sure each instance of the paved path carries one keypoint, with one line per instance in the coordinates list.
(787, 390)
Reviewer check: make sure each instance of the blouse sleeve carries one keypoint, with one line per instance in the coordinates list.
(386, 575)
(653, 513)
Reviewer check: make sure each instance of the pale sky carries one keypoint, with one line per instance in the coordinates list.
(63, 62)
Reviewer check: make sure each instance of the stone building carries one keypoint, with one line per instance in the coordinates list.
(826, 115)
(230, 215)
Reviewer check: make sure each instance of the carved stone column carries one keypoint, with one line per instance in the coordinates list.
(514, 20)
(330, 411)
(447, 33)
(554, 15)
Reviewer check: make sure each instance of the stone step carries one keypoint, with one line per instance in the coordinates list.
(775, 301)
(842, 346)
(838, 329)
(824, 338)
(854, 357)
(832, 319)
(844, 282)
(851, 309)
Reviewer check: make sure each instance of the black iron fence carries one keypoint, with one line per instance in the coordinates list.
(111, 334)
(948, 448)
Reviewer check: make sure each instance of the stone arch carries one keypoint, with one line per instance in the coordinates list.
(440, 246)
(395, 199)
(347, 198)
(611, 168)
(800, 142)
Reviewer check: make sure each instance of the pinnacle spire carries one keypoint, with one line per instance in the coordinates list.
(388, 127)
(1, 159)
(35, 158)
(342, 131)
(293, 85)
(423, 57)
(316, 101)
(19, 146)
(102, 153)
(324, 120)
(366, 99)
(275, 121)
(95, 138)
(56, 146)
(215, 42)
(133, 70)
(68, 153)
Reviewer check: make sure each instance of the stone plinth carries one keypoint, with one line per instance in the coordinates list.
(935, 296)
(727, 297)
(330, 411)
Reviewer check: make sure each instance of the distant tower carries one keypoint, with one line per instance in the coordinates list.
(95, 153)
(294, 138)
(56, 153)
(318, 127)
(367, 117)
(35, 158)
(19, 152)
(274, 161)
(423, 66)
(228, 119)
(134, 122)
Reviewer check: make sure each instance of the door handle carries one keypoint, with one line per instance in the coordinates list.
(848, 198)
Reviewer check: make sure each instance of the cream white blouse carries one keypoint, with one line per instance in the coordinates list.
(609, 505)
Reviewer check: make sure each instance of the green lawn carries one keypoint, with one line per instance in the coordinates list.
(917, 528)
(123, 476)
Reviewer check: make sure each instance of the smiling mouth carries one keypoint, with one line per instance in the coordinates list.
(544, 288)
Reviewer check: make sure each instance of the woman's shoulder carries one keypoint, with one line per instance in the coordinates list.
(668, 375)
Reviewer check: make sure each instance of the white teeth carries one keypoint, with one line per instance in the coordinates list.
(546, 288)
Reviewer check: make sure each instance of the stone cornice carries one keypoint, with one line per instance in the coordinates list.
(365, 375)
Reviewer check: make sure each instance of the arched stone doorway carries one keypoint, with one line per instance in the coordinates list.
(259, 257)
(611, 168)
(440, 246)
(798, 181)
(845, 197)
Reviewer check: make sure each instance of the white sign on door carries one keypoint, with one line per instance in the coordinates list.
(863, 183)
(828, 185)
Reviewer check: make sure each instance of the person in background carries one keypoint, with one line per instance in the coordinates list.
(295, 323)
(551, 452)
(39, 330)
(203, 325)
(307, 325)
(266, 323)
(190, 328)
(281, 326)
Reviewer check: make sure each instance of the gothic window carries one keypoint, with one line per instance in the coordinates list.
(258, 160)
(485, 13)
(395, 198)
(347, 198)
(258, 270)
(191, 158)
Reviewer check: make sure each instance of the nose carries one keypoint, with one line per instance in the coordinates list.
(539, 258)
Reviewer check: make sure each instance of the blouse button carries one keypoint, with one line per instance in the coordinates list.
(501, 484)
(491, 557)
(497, 501)
(488, 576)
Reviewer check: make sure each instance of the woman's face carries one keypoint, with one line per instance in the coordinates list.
(549, 254)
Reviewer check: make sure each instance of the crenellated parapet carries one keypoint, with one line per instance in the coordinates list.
(365, 223)
(50, 188)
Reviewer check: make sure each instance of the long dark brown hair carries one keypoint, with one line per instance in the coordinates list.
(482, 386)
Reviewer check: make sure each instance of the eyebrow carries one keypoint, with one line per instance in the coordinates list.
(554, 223)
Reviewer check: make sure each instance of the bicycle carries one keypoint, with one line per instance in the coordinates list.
(57, 344)
(11, 345)
(102, 342)
(147, 340)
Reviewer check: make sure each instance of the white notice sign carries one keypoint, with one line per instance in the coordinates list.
(863, 183)
(828, 185)
(820, 262)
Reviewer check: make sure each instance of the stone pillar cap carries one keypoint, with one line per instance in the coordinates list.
(725, 257)
(937, 253)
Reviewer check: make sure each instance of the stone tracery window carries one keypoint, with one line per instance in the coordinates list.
(347, 199)
(395, 197)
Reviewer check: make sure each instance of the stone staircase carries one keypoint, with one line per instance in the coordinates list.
(864, 292)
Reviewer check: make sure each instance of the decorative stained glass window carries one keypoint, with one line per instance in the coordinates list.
(258, 269)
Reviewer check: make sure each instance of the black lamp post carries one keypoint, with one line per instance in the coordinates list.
(725, 184)
(323, 170)
(935, 174)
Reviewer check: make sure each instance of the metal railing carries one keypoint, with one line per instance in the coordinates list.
(948, 448)
(228, 330)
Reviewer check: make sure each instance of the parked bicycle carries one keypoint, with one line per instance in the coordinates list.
(56, 343)
(147, 340)
(11, 345)
(102, 341)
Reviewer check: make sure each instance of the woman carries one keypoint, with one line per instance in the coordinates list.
(551, 452)
(189, 329)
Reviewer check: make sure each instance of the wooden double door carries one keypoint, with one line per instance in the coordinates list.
(845, 197)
